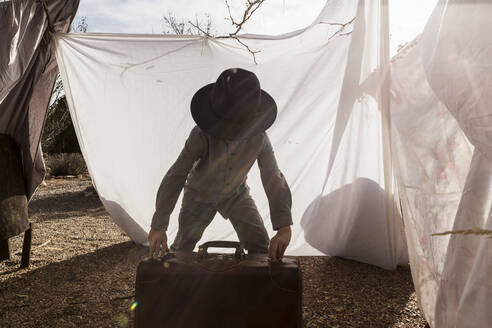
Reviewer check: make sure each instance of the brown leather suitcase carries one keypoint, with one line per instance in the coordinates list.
(187, 289)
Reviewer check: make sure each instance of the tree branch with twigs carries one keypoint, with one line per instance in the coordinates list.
(199, 27)
(180, 27)
(251, 7)
(341, 29)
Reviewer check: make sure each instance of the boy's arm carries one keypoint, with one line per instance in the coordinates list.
(175, 178)
(279, 199)
(171, 187)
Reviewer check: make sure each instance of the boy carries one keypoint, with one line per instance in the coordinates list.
(231, 116)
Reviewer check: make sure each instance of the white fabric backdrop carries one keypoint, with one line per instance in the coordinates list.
(433, 157)
(441, 94)
(458, 64)
(129, 98)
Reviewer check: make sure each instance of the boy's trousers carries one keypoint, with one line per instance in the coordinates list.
(240, 209)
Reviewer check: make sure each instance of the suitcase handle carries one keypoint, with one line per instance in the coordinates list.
(202, 249)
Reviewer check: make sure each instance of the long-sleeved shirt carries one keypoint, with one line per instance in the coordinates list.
(213, 170)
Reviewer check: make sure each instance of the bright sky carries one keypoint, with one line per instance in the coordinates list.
(407, 18)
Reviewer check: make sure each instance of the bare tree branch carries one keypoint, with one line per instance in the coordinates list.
(233, 22)
(180, 27)
(253, 52)
(251, 7)
(177, 27)
(339, 24)
(342, 27)
(197, 26)
(346, 33)
(80, 26)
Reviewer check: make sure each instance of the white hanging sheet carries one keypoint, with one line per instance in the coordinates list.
(441, 98)
(129, 98)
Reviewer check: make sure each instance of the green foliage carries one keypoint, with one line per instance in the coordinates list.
(65, 164)
(59, 133)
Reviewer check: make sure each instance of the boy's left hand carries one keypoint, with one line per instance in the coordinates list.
(279, 243)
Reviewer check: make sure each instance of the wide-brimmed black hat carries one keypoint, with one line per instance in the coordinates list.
(235, 107)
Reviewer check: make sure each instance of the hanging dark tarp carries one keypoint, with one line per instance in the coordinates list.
(13, 202)
(28, 71)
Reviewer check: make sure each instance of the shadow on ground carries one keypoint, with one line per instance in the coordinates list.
(96, 289)
(91, 290)
(63, 205)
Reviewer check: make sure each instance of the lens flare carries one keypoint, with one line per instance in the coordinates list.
(166, 265)
(134, 306)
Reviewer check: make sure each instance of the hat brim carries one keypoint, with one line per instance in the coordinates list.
(210, 123)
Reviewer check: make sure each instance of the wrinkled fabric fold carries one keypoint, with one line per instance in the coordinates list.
(441, 111)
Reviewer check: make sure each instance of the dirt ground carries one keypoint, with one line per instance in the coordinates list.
(82, 274)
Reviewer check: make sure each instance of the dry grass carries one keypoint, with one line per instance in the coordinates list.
(83, 267)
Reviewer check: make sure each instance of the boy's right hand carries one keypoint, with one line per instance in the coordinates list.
(157, 242)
